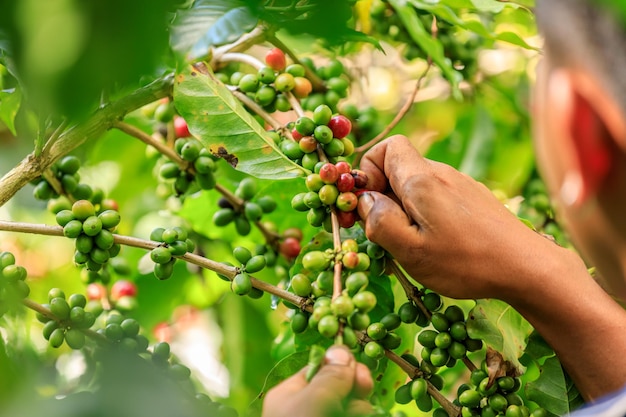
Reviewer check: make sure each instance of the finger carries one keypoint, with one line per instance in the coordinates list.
(391, 163)
(364, 384)
(387, 224)
(293, 384)
(357, 408)
(335, 379)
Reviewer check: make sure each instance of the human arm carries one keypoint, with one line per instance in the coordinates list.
(339, 388)
(449, 232)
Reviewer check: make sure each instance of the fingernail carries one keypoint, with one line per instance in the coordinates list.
(366, 201)
(338, 356)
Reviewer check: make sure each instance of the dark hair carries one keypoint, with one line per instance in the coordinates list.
(590, 34)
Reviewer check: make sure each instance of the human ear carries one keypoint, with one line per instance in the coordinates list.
(590, 129)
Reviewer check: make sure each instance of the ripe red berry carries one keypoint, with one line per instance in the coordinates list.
(123, 288)
(345, 182)
(340, 125)
(275, 59)
(343, 167)
(96, 291)
(328, 173)
(109, 204)
(290, 247)
(346, 219)
(181, 128)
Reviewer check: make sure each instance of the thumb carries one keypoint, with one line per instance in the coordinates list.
(335, 379)
(386, 223)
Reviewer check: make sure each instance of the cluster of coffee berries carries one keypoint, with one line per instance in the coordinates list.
(417, 390)
(336, 83)
(448, 341)
(490, 397)
(174, 242)
(93, 232)
(249, 264)
(323, 131)
(332, 186)
(13, 286)
(123, 333)
(65, 171)
(270, 85)
(201, 168)
(250, 211)
(69, 318)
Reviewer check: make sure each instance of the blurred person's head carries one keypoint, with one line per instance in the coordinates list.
(580, 126)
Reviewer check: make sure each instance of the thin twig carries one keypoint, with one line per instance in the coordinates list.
(337, 285)
(412, 292)
(151, 141)
(48, 313)
(295, 104)
(242, 58)
(403, 111)
(254, 106)
(218, 267)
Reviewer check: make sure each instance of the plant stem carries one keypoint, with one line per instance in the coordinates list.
(47, 313)
(412, 292)
(295, 104)
(242, 58)
(32, 166)
(254, 106)
(337, 286)
(218, 267)
(256, 36)
(398, 117)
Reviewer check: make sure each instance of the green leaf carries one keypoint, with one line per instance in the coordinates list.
(480, 148)
(537, 347)
(285, 368)
(554, 390)
(209, 23)
(501, 327)
(432, 47)
(223, 125)
(10, 101)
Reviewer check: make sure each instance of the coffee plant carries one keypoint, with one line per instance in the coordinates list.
(208, 182)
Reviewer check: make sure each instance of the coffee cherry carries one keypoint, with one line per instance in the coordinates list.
(75, 339)
(328, 326)
(328, 173)
(290, 247)
(316, 216)
(374, 350)
(346, 219)
(83, 209)
(255, 264)
(275, 59)
(324, 135)
(457, 350)
(160, 255)
(322, 115)
(60, 308)
(302, 88)
(315, 261)
(342, 306)
(305, 126)
(308, 145)
(223, 217)
(181, 129)
(73, 229)
(56, 337)
(123, 288)
(253, 211)
(109, 219)
(458, 331)
(403, 394)
(284, 82)
(350, 260)
(312, 199)
(241, 284)
(419, 388)
(376, 331)
(340, 126)
(365, 301)
(346, 201)
(443, 340)
(328, 194)
(165, 270)
(55, 293)
(301, 285)
(470, 398)
(77, 300)
(265, 95)
(440, 322)
(249, 83)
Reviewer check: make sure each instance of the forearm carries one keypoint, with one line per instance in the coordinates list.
(585, 327)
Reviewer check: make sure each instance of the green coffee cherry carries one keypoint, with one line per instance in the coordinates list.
(241, 284)
(255, 264)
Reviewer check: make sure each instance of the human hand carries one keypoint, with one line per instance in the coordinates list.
(338, 389)
(447, 230)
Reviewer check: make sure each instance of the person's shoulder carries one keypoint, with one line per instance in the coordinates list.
(611, 405)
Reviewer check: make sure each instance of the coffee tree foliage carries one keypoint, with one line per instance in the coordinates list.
(177, 203)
